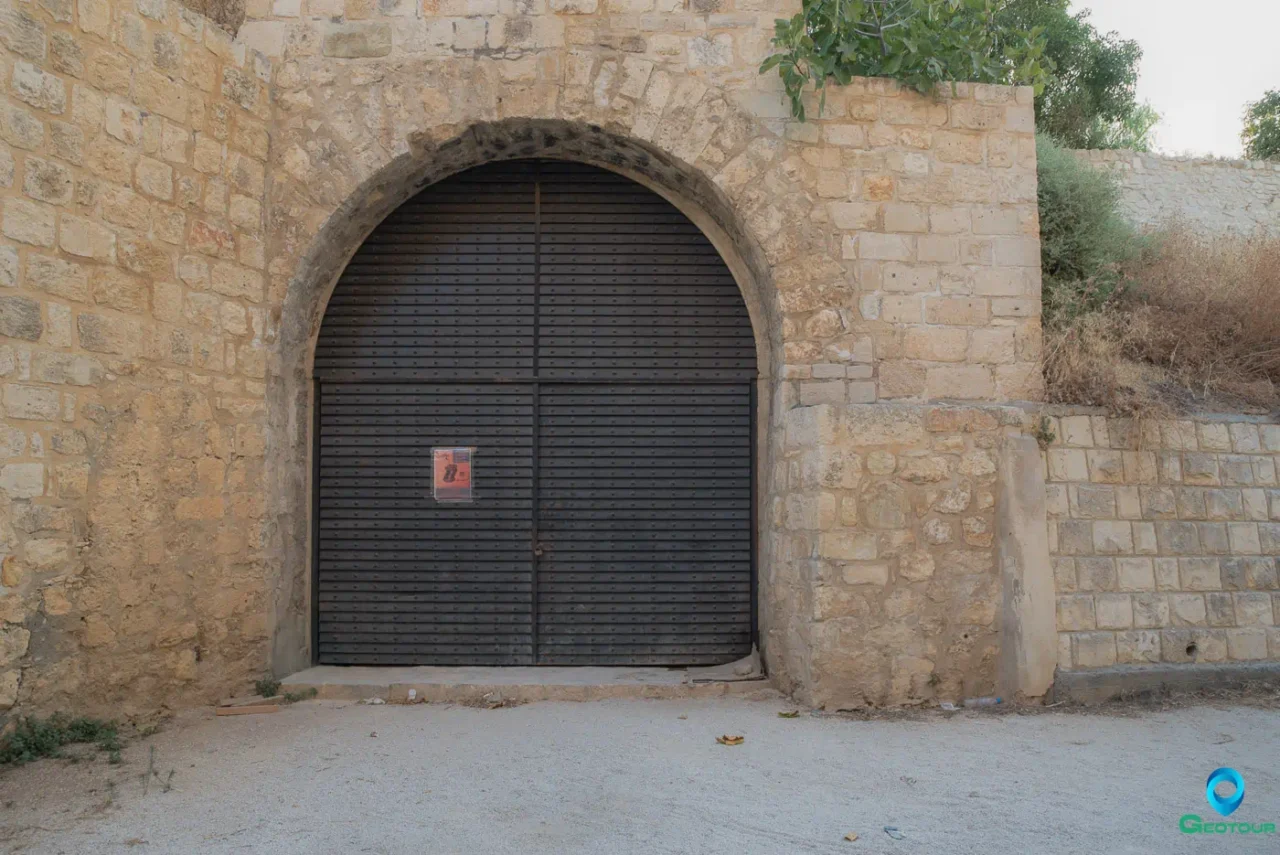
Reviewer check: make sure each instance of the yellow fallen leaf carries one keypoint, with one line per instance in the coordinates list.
(789, 714)
(730, 740)
(851, 836)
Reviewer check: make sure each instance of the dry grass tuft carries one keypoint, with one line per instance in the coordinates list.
(1198, 326)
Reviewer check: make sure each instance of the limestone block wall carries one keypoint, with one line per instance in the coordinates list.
(890, 514)
(901, 232)
(133, 338)
(1165, 538)
(887, 249)
(1211, 194)
(178, 203)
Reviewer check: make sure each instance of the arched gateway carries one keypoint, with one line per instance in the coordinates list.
(585, 340)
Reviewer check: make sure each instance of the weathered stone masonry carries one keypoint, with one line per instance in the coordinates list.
(177, 205)
(132, 177)
(886, 252)
(1208, 194)
(1165, 538)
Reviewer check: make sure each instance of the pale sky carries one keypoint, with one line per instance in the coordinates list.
(1201, 63)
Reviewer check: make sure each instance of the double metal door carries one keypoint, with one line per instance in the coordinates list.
(587, 341)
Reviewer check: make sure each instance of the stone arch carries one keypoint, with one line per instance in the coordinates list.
(315, 274)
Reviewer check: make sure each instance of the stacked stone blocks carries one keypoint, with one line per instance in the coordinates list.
(1208, 194)
(890, 511)
(132, 365)
(1165, 537)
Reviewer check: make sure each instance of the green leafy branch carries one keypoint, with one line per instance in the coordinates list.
(921, 43)
(1261, 135)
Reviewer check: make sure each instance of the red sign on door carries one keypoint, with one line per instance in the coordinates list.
(452, 474)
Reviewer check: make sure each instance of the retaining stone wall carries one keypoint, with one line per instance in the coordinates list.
(1165, 539)
(1208, 193)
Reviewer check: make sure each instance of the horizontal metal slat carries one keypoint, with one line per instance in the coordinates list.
(632, 294)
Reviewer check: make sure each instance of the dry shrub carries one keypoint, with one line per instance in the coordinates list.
(1198, 325)
(1209, 311)
(1085, 362)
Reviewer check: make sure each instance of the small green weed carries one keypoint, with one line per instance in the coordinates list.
(1044, 432)
(268, 687)
(304, 695)
(35, 738)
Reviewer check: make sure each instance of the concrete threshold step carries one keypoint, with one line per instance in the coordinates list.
(438, 684)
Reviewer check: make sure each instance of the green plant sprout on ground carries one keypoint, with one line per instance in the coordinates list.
(34, 738)
(304, 695)
(268, 687)
(1044, 432)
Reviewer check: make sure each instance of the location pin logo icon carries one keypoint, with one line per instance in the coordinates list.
(1225, 805)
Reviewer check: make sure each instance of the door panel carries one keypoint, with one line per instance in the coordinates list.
(402, 578)
(443, 289)
(646, 547)
(629, 289)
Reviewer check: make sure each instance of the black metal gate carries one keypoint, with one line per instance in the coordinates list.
(588, 341)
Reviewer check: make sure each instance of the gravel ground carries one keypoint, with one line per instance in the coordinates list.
(648, 777)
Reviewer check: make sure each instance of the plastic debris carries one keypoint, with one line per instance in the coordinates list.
(789, 714)
(730, 740)
(892, 831)
(851, 836)
(983, 702)
(413, 695)
(948, 706)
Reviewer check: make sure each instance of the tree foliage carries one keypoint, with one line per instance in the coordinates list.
(1133, 132)
(921, 43)
(1085, 79)
(1090, 98)
(1261, 134)
(1084, 238)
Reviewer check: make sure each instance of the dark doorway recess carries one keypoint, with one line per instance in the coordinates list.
(588, 341)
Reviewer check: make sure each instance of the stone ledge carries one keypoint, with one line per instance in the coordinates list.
(1174, 161)
(511, 684)
(1198, 416)
(1098, 685)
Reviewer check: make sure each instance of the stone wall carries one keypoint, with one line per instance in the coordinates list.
(887, 250)
(180, 205)
(132, 181)
(1165, 539)
(1215, 195)
(890, 514)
